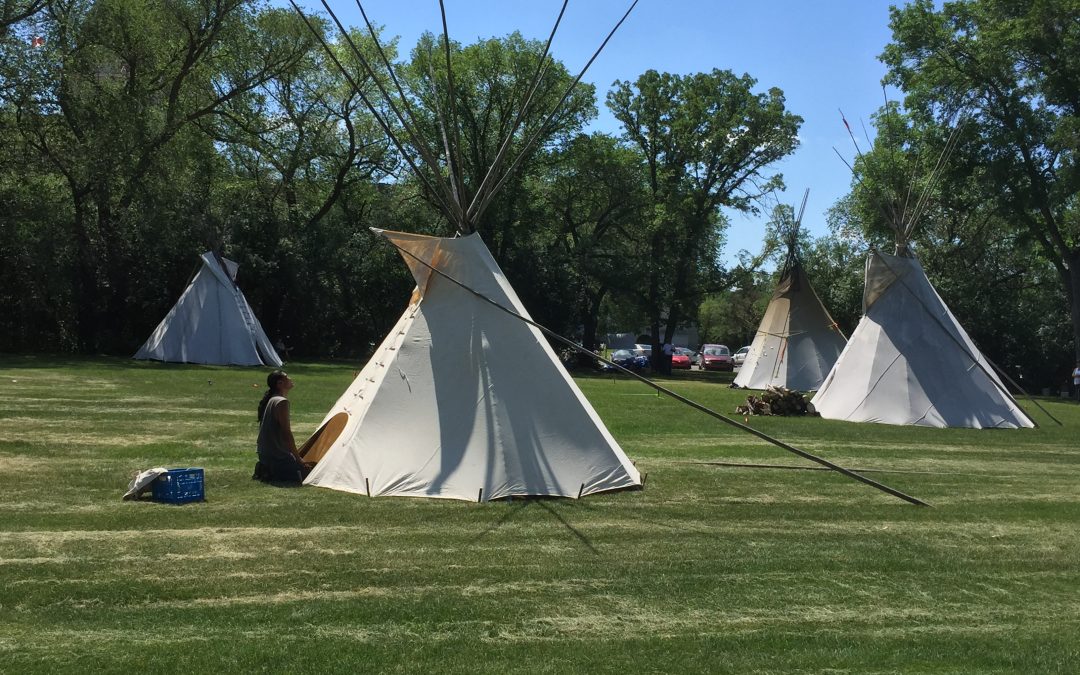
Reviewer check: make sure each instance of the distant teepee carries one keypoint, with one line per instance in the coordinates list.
(211, 323)
(909, 360)
(797, 342)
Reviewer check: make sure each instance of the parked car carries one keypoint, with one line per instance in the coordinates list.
(629, 359)
(643, 349)
(681, 358)
(716, 357)
(738, 357)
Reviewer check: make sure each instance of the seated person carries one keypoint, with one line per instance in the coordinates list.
(279, 460)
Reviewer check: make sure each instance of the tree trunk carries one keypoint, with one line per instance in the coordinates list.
(589, 321)
(117, 273)
(85, 289)
(1073, 295)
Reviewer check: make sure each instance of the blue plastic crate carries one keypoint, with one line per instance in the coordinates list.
(179, 486)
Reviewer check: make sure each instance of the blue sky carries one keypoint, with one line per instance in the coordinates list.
(823, 55)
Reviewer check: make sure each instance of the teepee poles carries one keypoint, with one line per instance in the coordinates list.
(450, 192)
(383, 123)
(487, 184)
(479, 208)
(664, 390)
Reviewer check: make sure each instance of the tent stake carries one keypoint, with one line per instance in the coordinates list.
(693, 404)
(580, 490)
(367, 486)
(644, 478)
(480, 497)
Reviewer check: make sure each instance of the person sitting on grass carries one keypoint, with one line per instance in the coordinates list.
(279, 460)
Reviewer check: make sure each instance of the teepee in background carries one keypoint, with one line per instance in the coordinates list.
(909, 360)
(463, 399)
(211, 323)
(797, 342)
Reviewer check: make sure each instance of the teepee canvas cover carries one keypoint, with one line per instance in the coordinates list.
(910, 362)
(796, 343)
(464, 401)
(211, 323)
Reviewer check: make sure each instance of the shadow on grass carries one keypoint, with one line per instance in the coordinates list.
(519, 505)
(680, 525)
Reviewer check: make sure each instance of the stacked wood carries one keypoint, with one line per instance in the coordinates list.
(776, 401)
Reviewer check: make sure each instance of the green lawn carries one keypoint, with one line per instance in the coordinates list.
(710, 568)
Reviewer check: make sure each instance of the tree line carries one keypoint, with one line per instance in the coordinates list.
(135, 135)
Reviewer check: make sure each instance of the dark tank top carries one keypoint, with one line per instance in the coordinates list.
(271, 444)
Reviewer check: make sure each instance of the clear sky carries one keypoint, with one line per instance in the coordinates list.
(822, 54)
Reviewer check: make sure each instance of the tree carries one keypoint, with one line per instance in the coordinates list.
(491, 81)
(111, 103)
(13, 12)
(593, 189)
(987, 270)
(1012, 69)
(300, 151)
(706, 141)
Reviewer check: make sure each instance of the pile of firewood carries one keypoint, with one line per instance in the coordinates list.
(776, 401)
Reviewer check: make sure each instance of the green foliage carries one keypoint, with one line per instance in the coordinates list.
(707, 141)
(137, 135)
(491, 86)
(1010, 69)
(835, 267)
(592, 193)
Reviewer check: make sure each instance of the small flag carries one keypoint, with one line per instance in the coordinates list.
(37, 41)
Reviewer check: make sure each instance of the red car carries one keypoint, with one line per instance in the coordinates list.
(716, 357)
(680, 358)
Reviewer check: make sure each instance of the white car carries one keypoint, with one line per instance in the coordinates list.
(738, 357)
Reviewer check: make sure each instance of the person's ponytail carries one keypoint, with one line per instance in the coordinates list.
(265, 399)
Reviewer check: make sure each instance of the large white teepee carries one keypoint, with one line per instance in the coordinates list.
(462, 400)
(211, 323)
(910, 362)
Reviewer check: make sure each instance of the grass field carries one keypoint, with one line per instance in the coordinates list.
(710, 568)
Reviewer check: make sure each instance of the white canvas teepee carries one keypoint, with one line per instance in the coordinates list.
(910, 362)
(464, 401)
(211, 323)
(797, 342)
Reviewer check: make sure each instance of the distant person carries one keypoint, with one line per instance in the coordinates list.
(667, 350)
(279, 460)
(282, 349)
(1076, 381)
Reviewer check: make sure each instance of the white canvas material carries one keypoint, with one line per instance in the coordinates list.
(464, 401)
(211, 323)
(796, 343)
(910, 362)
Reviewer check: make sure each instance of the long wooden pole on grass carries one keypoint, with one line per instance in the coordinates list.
(678, 397)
